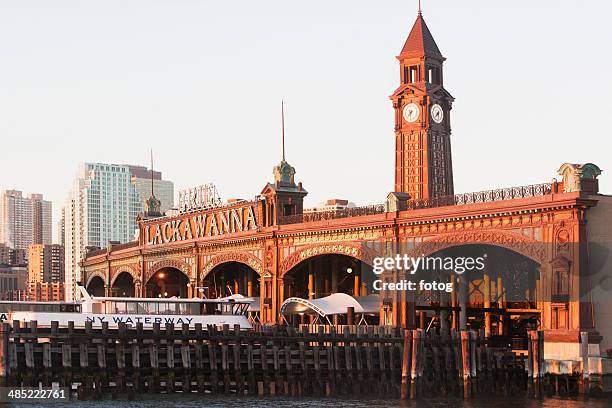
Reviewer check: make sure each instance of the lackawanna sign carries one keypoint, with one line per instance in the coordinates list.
(200, 225)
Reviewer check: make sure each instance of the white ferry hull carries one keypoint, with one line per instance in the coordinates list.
(113, 320)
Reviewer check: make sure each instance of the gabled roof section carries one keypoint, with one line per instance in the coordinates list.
(420, 42)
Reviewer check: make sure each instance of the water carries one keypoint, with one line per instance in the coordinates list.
(199, 401)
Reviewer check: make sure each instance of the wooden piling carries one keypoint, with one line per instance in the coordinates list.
(316, 361)
(465, 362)
(406, 364)
(584, 353)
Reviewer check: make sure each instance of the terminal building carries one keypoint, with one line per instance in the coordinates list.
(546, 244)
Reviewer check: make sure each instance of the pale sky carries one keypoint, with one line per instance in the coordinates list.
(200, 82)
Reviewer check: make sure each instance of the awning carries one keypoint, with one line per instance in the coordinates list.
(334, 304)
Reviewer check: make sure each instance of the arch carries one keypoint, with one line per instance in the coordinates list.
(231, 277)
(126, 269)
(167, 281)
(94, 274)
(241, 257)
(169, 263)
(518, 243)
(124, 284)
(357, 251)
(95, 286)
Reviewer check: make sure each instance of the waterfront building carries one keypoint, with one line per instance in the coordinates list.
(335, 204)
(546, 245)
(24, 220)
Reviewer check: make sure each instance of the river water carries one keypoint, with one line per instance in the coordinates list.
(199, 401)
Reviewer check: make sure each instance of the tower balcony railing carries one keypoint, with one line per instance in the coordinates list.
(502, 194)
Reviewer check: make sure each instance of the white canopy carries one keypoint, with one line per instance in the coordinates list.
(254, 305)
(334, 304)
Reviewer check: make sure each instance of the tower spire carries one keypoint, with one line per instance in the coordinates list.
(283, 125)
(152, 193)
(152, 205)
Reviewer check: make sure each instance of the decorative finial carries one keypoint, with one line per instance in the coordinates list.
(283, 125)
(420, 8)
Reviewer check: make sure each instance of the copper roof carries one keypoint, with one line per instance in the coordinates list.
(420, 42)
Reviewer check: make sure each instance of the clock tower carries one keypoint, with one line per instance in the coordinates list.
(423, 165)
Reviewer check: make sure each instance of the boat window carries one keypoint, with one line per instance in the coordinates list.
(164, 308)
(145, 307)
(186, 308)
(132, 307)
(116, 307)
(40, 307)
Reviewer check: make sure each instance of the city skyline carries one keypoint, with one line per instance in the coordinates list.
(165, 97)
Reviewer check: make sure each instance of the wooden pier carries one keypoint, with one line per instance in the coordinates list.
(356, 361)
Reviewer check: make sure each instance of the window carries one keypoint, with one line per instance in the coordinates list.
(433, 75)
(414, 74)
(411, 74)
(288, 209)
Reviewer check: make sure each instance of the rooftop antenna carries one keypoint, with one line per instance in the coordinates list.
(283, 125)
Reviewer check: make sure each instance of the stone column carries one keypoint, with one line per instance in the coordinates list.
(311, 281)
(487, 299)
(444, 327)
(454, 301)
(281, 294)
(463, 301)
(250, 283)
(500, 302)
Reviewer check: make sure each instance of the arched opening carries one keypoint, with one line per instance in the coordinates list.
(323, 275)
(493, 288)
(123, 286)
(231, 278)
(95, 287)
(167, 282)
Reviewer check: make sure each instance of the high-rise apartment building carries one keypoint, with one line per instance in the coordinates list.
(46, 263)
(24, 220)
(46, 272)
(61, 228)
(102, 206)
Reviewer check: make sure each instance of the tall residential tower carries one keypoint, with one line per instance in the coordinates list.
(24, 220)
(102, 207)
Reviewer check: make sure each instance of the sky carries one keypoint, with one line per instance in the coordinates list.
(201, 83)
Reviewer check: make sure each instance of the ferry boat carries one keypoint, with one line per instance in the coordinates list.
(116, 310)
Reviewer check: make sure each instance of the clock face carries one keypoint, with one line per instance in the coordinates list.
(437, 114)
(411, 112)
